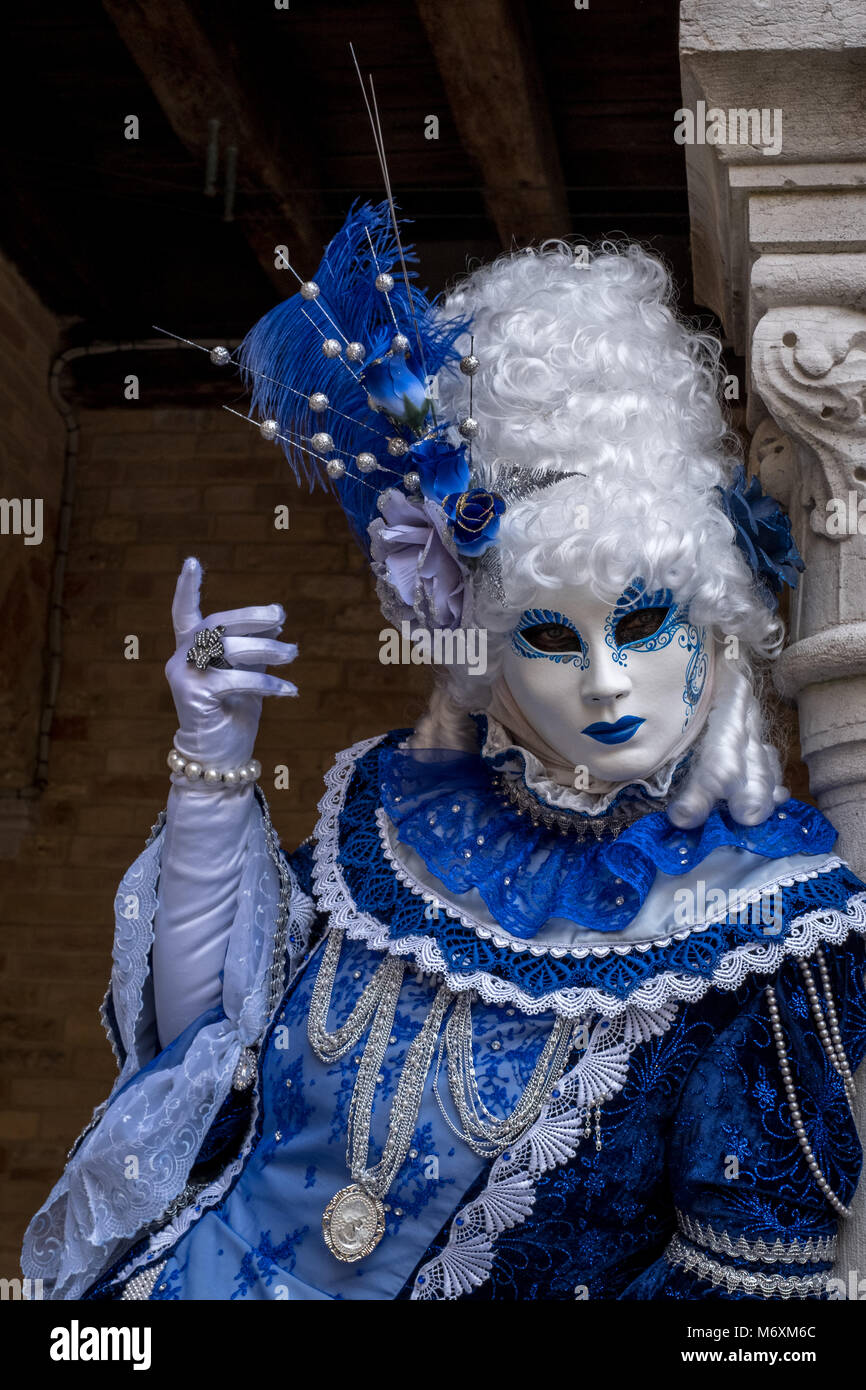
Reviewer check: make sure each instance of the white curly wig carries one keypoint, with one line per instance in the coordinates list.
(586, 367)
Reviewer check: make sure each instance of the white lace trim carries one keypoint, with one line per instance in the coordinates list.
(805, 933)
(467, 1259)
(192, 1203)
(565, 798)
(694, 1261)
(167, 1236)
(94, 1214)
(108, 1027)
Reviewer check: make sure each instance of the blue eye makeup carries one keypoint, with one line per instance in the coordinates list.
(641, 621)
(647, 622)
(544, 632)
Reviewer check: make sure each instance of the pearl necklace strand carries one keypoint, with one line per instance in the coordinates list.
(831, 1040)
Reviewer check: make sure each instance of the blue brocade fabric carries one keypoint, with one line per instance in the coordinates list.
(687, 1182)
(700, 1128)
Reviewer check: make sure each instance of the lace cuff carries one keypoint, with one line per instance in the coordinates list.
(134, 1158)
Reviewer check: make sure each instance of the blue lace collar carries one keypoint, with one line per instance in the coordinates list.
(360, 890)
(449, 807)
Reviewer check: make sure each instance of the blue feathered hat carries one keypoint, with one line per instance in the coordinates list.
(341, 371)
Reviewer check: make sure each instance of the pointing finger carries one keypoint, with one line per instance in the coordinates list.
(185, 611)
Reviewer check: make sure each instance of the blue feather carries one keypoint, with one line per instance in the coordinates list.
(282, 361)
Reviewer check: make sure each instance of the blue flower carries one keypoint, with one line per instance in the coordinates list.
(475, 519)
(393, 387)
(441, 467)
(763, 532)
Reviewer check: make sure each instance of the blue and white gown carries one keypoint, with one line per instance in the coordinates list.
(662, 1163)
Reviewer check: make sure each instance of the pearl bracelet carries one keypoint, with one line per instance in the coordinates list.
(210, 776)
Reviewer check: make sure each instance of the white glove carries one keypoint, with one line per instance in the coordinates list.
(219, 710)
(207, 827)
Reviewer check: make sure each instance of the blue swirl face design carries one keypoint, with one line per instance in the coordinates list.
(694, 640)
(613, 689)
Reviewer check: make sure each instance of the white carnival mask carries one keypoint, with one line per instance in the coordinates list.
(616, 690)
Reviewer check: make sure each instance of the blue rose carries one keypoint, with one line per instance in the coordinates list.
(394, 388)
(474, 518)
(763, 533)
(441, 467)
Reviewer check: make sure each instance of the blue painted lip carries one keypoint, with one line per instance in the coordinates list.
(619, 732)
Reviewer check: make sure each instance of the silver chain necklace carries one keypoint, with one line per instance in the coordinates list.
(354, 1220)
(479, 1128)
(330, 1047)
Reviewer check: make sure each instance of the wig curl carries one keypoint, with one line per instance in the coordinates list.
(586, 368)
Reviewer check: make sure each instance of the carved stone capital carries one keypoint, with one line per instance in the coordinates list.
(773, 458)
(809, 366)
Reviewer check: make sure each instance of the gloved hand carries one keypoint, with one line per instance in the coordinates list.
(219, 710)
(204, 841)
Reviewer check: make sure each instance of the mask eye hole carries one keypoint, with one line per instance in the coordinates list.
(638, 626)
(551, 637)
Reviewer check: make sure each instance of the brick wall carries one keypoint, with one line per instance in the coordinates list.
(31, 466)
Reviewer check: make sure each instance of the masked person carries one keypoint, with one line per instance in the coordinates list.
(564, 997)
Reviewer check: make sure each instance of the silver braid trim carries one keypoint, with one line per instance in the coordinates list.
(295, 913)
(157, 828)
(513, 791)
(688, 1257)
(813, 1251)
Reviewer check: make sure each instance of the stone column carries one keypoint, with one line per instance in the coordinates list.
(809, 368)
(778, 212)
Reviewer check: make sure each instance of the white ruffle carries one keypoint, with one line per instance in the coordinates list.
(563, 798)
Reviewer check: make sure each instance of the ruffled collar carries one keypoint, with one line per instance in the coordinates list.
(525, 771)
(449, 808)
(361, 888)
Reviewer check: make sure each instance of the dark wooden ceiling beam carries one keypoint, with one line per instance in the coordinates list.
(497, 101)
(194, 80)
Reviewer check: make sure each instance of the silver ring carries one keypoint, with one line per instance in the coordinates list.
(207, 649)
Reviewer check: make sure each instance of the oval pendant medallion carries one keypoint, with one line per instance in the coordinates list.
(353, 1223)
